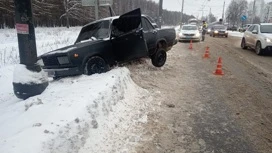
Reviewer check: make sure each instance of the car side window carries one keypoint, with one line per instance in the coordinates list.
(256, 28)
(251, 28)
(147, 26)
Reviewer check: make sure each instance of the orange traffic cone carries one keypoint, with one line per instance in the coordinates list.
(219, 70)
(191, 45)
(207, 53)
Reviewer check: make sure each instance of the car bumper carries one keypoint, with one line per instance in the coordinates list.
(268, 48)
(220, 34)
(62, 72)
(189, 38)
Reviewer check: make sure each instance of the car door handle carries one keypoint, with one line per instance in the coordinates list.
(154, 31)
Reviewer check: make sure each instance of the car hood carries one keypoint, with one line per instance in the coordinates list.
(189, 31)
(220, 29)
(267, 35)
(72, 48)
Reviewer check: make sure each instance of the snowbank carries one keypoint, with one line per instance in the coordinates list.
(98, 113)
(236, 34)
(24, 76)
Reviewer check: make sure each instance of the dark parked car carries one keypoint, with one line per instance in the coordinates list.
(233, 28)
(219, 30)
(106, 42)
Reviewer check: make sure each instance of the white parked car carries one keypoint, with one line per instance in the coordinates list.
(258, 37)
(189, 32)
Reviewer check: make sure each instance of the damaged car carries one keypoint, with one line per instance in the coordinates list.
(109, 41)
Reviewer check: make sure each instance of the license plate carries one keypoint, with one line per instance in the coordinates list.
(51, 73)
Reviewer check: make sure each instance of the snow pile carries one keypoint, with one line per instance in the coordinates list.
(236, 34)
(98, 113)
(24, 76)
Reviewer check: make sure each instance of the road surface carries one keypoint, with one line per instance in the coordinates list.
(194, 111)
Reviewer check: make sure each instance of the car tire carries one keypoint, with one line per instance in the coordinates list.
(95, 65)
(159, 58)
(213, 35)
(243, 44)
(258, 48)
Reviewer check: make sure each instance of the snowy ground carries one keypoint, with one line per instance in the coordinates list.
(46, 39)
(99, 113)
(236, 34)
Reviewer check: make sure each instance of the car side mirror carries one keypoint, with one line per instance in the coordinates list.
(255, 32)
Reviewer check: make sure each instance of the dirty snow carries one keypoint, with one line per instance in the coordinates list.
(236, 34)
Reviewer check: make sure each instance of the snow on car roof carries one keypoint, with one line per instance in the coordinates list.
(265, 23)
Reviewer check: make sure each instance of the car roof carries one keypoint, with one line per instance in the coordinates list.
(112, 18)
(190, 25)
(265, 23)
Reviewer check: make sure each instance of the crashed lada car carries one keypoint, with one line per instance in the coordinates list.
(107, 42)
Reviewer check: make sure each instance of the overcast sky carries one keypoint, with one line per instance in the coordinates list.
(193, 7)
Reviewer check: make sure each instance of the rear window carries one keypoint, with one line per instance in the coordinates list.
(189, 28)
(266, 28)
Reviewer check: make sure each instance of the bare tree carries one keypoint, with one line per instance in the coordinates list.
(71, 13)
(211, 18)
(235, 10)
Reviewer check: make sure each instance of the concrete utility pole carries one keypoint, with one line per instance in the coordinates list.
(96, 9)
(210, 15)
(182, 8)
(223, 14)
(24, 89)
(160, 13)
(254, 11)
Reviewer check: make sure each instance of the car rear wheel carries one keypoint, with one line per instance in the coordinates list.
(243, 44)
(159, 58)
(95, 65)
(258, 48)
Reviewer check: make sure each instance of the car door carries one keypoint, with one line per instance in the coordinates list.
(248, 36)
(127, 38)
(255, 35)
(150, 35)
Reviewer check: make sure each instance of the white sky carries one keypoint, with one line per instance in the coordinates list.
(193, 7)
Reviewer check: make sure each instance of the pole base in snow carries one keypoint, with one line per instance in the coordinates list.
(29, 81)
(24, 91)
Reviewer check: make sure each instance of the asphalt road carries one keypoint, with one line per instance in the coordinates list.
(194, 111)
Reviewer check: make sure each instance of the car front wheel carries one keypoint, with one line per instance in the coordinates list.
(243, 44)
(159, 58)
(95, 65)
(258, 48)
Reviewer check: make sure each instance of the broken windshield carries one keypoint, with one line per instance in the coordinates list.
(98, 30)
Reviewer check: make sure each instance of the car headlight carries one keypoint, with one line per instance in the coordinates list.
(215, 31)
(268, 40)
(197, 34)
(181, 34)
(40, 62)
(63, 60)
(226, 31)
(209, 30)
